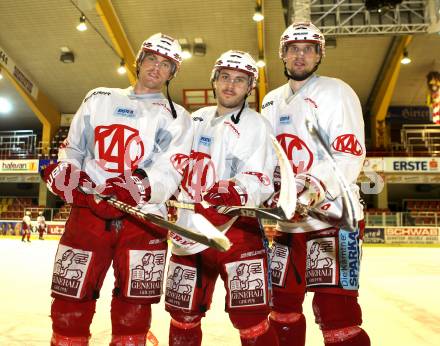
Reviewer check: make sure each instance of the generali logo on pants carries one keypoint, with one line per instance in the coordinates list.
(146, 273)
(181, 281)
(70, 270)
(321, 264)
(246, 282)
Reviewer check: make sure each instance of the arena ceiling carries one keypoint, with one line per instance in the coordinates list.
(32, 32)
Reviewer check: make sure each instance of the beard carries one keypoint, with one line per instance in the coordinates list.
(299, 76)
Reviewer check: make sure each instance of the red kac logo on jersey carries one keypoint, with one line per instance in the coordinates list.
(299, 155)
(199, 175)
(119, 147)
(348, 144)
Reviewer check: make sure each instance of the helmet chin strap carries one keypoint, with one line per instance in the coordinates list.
(236, 118)
(173, 110)
(213, 89)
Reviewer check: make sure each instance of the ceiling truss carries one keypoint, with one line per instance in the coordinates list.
(351, 17)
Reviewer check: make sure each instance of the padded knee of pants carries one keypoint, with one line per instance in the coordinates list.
(72, 319)
(129, 318)
(334, 311)
(246, 320)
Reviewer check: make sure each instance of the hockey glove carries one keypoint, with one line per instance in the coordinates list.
(222, 193)
(101, 208)
(63, 180)
(226, 192)
(131, 188)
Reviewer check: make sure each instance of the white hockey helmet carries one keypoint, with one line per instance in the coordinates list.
(40, 213)
(163, 45)
(236, 60)
(301, 32)
(28, 213)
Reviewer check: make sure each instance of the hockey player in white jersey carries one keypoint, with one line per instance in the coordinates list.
(230, 164)
(122, 143)
(26, 227)
(41, 225)
(316, 256)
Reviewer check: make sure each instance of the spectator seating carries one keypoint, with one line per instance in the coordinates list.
(63, 213)
(14, 208)
(421, 205)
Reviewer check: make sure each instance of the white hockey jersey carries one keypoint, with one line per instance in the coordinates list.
(223, 150)
(27, 220)
(339, 115)
(41, 221)
(116, 130)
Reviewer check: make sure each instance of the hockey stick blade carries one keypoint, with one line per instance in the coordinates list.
(287, 198)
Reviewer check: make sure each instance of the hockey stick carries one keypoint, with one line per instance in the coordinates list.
(211, 236)
(348, 220)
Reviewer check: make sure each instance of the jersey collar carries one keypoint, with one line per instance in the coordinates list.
(288, 92)
(149, 96)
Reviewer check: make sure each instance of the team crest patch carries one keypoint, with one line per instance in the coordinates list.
(321, 262)
(278, 264)
(70, 271)
(146, 273)
(348, 144)
(246, 281)
(205, 140)
(285, 119)
(124, 112)
(181, 281)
